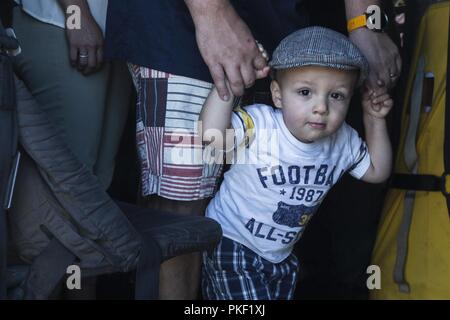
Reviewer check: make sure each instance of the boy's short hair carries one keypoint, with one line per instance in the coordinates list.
(318, 46)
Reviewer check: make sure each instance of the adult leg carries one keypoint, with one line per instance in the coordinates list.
(179, 276)
(74, 102)
(118, 103)
(171, 160)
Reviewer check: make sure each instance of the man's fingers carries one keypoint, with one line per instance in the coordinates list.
(83, 58)
(259, 62)
(372, 82)
(73, 55)
(381, 98)
(394, 70)
(218, 76)
(377, 92)
(235, 80)
(99, 57)
(92, 61)
(385, 78)
(248, 75)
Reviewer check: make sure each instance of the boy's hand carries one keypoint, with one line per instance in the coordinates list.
(377, 103)
(261, 74)
(264, 72)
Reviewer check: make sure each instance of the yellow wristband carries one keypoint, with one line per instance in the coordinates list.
(356, 22)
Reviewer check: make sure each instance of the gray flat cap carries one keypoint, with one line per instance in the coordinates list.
(318, 46)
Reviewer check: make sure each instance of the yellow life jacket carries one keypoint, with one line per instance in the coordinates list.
(413, 242)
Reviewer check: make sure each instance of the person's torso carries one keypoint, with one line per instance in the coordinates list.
(160, 34)
(272, 190)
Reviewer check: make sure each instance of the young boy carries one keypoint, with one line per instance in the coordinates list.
(263, 205)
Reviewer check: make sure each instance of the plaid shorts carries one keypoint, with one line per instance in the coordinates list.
(170, 152)
(234, 272)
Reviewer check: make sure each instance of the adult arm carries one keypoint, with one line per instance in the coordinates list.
(86, 42)
(226, 44)
(380, 51)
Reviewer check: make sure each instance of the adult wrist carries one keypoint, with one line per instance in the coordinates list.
(356, 23)
(207, 10)
(374, 19)
(81, 4)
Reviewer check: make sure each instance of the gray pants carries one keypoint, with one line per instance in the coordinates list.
(91, 110)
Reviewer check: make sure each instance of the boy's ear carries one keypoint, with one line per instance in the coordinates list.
(276, 94)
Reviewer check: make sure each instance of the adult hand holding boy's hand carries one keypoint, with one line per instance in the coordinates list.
(383, 57)
(377, 103)
(226, 45)
(380, 51)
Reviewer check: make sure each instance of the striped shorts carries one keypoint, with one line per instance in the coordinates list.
(234, 272)
(169, 150)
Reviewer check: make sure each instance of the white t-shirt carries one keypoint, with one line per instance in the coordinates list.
(277, 183)
(49, 11)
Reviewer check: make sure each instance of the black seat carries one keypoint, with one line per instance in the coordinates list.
(174, 234)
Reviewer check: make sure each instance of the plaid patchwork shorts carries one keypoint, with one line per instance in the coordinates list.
(170, 152)
(234, 272)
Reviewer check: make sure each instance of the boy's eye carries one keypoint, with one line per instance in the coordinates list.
(337, 96)
(304, 92)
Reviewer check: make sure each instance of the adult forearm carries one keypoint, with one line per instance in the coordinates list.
(82, 4)
(206, 8)
(379, 146)
(85, 11)
(355, 8)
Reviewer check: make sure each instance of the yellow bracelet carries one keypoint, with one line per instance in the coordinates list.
(356, 22)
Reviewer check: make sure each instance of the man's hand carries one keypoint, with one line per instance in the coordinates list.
(383, 57)
(86, 47)
(226, 45)
(85, 44)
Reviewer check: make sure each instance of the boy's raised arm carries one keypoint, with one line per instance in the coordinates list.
(375, 110)
(215, 119)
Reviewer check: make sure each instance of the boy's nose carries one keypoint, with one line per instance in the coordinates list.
(321, 108)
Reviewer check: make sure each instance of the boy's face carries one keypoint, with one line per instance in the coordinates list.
(314, 100)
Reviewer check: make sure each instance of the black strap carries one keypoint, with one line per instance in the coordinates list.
(47, 270)
(418, 182)
(447, 119)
